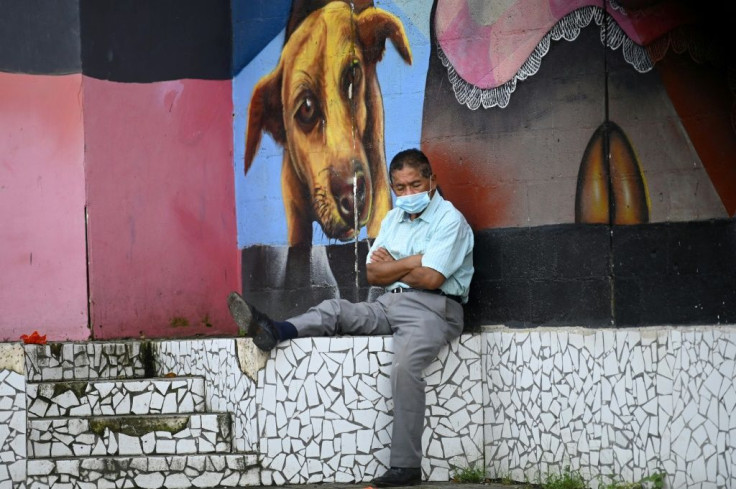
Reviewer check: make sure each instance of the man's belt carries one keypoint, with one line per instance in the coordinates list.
(400, 290)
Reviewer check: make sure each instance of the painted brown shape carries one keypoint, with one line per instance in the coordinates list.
(706, 105)
(611, 190)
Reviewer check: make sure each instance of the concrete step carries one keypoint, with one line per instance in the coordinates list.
(181, 434)
(151, 472)
(116, 397)
(84, 361)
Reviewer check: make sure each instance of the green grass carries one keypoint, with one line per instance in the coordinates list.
(654, 481)
(565, 480)
(469, 475)
(504, 479)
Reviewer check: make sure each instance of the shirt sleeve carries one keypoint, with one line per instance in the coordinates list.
(449, 245)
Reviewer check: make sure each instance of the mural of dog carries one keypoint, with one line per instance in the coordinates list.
(323, 105)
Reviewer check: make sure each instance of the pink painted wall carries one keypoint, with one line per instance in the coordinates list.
(162, 242)
(43, 283)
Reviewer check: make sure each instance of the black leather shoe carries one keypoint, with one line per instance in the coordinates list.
(252, 322)
(399, 477)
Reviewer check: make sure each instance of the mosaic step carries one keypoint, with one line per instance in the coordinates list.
(116, 397)
(181, 472)
(84, 361)
(129, 435)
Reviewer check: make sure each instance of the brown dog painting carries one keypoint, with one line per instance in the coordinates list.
(323, 105)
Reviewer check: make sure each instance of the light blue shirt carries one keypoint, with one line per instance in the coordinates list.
(440, 234)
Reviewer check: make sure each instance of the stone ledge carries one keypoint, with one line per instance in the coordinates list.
(116, 397)
(84, 361)
(182, 472)
(12, 357)
(179, 434)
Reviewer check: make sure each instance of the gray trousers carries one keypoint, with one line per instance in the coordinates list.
(421, 323)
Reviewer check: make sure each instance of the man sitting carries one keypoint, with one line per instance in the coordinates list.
(423, 256)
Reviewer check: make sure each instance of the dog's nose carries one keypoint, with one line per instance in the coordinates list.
(346, 195)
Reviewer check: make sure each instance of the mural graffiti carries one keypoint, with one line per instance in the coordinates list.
(517, 93)
(611, 187)
(541, 117)
(323, 104)
(547, 122)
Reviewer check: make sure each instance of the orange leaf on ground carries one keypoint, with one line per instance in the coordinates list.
(33, 339)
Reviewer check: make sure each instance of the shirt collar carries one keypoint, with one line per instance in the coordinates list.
(428, 214)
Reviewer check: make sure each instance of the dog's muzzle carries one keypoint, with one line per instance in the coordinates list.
(348, 197)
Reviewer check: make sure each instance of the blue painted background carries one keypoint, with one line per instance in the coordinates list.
(260, 210)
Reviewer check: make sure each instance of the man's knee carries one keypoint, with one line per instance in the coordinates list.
(409, 363)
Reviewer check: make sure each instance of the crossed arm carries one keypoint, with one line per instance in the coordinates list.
(384, 269)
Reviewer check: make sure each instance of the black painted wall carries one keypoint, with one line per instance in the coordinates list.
(571, 275)
(589, 275)
(119, 40)
(154, 40)
(676, 273)
(40, 37)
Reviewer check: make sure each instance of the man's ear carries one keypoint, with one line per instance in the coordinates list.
(264, 114)
(374, 27)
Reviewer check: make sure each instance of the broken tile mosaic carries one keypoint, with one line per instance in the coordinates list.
(611, 403)
(621, 403)
(325, 410)
(12, 430)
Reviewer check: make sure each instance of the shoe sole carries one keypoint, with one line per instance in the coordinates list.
(264, 341)
(240, 312)
(243, 316)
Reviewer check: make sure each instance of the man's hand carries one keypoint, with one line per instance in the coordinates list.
(381, 255)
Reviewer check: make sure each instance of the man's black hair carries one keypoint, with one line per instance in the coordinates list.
(412, 158)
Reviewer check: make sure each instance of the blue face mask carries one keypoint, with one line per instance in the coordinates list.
(413, 204)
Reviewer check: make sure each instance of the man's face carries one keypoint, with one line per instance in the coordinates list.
(409, 180)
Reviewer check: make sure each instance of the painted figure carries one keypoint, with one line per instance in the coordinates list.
(423, 256)
(563, 103)
(611, 184)
(323, 104)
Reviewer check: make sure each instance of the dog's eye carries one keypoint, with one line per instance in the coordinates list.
(351, 79)
(308, 112)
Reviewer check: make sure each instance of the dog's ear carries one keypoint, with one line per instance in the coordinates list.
(374, 27)
(264, 114)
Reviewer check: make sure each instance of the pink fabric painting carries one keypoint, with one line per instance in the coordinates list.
(487, 49)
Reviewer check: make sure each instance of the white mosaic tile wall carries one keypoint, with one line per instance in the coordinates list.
(84, 361)
(110, 426)
(12, 417)
(116, 397)
(100, 436)
(325, 410)
(622, 403)
(12, 430)
(180, 472)
(228, 389)
(610, 403)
